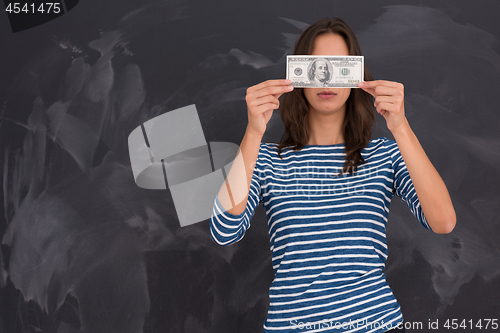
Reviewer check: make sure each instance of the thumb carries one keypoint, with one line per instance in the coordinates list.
(371, 91)
(366, 87)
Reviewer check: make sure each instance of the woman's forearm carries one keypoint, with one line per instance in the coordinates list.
(234, 191)
(432, 193)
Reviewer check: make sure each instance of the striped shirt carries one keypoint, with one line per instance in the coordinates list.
(327, 235)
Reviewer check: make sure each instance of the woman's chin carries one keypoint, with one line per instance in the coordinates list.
(327, 108)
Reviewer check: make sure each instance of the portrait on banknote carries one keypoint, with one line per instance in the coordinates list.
(320, 72)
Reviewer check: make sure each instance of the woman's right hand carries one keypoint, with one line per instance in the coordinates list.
(261, 100)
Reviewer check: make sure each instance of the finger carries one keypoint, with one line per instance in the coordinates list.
(383, 91)
(271, 93)
(266, 107)
(386, 91)
(257, 111)
(270, 83)
(386, 106)
(264, 99)
(371, 91)
(375, 83)
(278, 95)
(273, 90)
(288, 89)
(387, 99)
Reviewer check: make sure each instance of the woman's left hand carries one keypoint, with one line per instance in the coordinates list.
(389, 101)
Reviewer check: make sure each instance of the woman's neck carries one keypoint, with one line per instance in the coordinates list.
(326, 129)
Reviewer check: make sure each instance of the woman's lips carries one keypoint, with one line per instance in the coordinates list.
(326, 94)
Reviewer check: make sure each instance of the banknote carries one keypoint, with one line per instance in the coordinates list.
(306, 71)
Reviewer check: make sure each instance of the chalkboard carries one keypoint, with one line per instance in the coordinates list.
(84, 249)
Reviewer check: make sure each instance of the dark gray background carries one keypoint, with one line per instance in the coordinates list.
(85, 250)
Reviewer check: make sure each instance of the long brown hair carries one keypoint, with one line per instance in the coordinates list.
(359, 115)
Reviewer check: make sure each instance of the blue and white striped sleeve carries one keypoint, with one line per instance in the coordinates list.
(403, 185)
(226, 228)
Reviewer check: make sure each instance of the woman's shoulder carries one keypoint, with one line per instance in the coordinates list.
(382, 148)
(379, 146)
(268, 146)
(270, 150)
(381, 140)
(273, 147)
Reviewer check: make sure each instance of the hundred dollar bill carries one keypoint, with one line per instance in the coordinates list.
(307, 71)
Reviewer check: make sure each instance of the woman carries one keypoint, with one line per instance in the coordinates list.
(326, 188)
